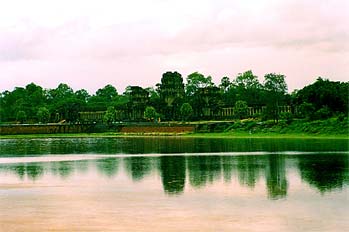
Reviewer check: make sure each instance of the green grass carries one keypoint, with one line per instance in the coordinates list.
(266, 135)
(240, 134)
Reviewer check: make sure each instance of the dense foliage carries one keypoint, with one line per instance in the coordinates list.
(172, 99)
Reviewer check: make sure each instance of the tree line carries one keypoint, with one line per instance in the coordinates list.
(172, 99)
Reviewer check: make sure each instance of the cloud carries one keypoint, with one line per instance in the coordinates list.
(135, 42)
(293, 24)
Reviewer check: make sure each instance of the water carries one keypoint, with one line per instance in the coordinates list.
(174, 184)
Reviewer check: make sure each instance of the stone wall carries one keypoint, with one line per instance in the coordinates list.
(91, 128)
(157, 129)
(44, 129)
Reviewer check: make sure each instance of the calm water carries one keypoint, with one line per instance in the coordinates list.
(174, 184)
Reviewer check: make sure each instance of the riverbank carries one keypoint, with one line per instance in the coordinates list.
(248, 128)
(227, 135)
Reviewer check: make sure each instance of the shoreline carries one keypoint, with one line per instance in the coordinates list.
(217, 135)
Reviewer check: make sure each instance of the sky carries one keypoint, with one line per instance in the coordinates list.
(89, 44)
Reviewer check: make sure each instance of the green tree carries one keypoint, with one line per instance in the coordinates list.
(21, 116)
(103, 98)
(150, 113)
(35, 97)
(208, 101)
(248, 88)
(154, 98)
(276, 88)
(225, 84)
(199, 91)
(43, 114)
(186, 111)
(110, 115)
(196, 81)
(69, 108)
(325, 93)
(107, 93)
(62, 91)
(27, 99)
(82, 95)
(306, 110)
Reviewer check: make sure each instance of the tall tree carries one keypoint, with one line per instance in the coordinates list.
(276, 88)
(248, 88)
(107, 93)
(64, 104)
(103, 98)
(82, 95)
(196, 81)
(225, 84)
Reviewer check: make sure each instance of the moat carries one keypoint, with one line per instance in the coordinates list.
(174, 183)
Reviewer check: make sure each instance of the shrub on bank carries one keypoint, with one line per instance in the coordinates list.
(327, 126)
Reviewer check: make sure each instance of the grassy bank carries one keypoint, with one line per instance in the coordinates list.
(323, 129)
(266, 135)
(328, 127)
(188, 135)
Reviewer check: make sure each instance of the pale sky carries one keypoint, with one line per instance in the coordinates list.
(89, 44)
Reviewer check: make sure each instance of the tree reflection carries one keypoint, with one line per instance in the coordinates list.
(64, 168)
(227, 167)
(108, 167)
(276, 177)
(34, 171)
(173, 172)
(249, 170)
(204, 169)
(323, 172)
(138, 167)
(20, 171)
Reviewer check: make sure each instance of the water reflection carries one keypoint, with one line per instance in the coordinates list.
(138, 167)
(323, 172)
(203, 170)
(250, 169)
(276, 177)
(163, 145)
(109, 167)
(173, 172)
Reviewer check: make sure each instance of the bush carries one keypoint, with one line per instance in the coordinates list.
(323, 113)
(306, 110)
(110, 115)
(287, 116)
(150, 113)
(341, 117)
(250, 125)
